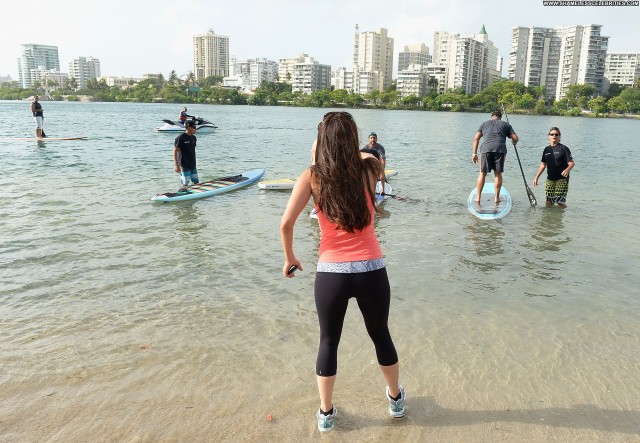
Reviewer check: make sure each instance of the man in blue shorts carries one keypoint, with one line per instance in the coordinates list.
(184, 156)
(493, 151)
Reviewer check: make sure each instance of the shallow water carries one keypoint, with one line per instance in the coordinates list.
(126, 320)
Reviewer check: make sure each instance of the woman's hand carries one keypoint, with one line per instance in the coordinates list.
(288, 264)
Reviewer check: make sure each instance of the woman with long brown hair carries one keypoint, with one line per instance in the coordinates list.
(350, 264)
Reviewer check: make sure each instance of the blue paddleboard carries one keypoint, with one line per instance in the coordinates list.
(212, 187)
(487, 209)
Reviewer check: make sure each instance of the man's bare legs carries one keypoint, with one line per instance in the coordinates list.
(498, 185)
(480, 184)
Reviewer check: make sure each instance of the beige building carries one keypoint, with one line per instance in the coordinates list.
(210, 55)
(372, 53)
(413, 55)
(557, 58)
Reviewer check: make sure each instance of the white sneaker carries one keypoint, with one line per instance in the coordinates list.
(325, 422)
(396, 408)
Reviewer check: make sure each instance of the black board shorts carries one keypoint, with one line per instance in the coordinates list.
(492, 161)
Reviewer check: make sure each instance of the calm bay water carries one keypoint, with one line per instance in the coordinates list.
(126, 320)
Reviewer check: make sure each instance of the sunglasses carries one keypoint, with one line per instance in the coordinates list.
(555, 134)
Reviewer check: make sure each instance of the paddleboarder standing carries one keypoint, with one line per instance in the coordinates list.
(38, 116)
(493, 151)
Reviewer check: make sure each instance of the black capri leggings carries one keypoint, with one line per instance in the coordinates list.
(332, 294)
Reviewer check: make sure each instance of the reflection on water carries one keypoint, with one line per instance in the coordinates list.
(488, 238)
(547, 260)
(548, 234)
(484, 246)
(188, 225)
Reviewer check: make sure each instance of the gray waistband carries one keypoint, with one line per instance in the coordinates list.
(351, 267)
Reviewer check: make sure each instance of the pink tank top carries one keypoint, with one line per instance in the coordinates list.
(338, 246)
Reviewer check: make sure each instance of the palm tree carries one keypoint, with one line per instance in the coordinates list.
(191, 78)
(173, 78)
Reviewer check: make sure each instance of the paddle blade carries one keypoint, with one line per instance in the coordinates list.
(532, 198)
(43, 134)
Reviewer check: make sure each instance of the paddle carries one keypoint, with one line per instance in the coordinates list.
(532, 198)
(396, 196)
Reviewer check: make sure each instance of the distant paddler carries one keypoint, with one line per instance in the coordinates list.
(38, 116)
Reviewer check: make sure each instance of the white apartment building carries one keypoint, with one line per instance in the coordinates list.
(210, 55)
(253, 72)
(467, 65)
(414, 55)
(471, 62)
(415, 80)
(83, 69)
(39, 57)
(308, 75)
(412, 81)
(557, 58)
(621, 68)
(286, 67)
(354, 80)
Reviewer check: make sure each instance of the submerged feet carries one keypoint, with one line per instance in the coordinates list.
(326, 420)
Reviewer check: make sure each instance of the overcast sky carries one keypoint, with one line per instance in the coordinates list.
(132, 38)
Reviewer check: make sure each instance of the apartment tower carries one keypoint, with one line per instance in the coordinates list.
(37, 57)
(83, 69)
(372, 52)
(210, 55)
(558, 58)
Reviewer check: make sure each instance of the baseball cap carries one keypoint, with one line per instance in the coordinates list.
(498, 113)
(373, 133)
(190, 124)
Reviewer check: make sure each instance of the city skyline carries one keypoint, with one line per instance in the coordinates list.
(132, 39)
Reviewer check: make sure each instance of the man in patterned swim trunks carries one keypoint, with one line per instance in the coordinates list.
(558, 161)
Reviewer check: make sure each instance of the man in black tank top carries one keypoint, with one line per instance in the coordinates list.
(38, 115)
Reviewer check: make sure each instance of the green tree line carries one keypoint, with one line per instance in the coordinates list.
(517, 98)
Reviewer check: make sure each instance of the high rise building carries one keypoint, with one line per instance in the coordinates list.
(210, 55)
(372, 52)
(557, 58)
(308, 75)
(286, 67)
(621, 68)
(470, 62)
(37, 57)
(413, 55)
(83, 69)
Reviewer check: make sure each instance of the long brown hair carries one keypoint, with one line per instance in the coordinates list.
(339, 173)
